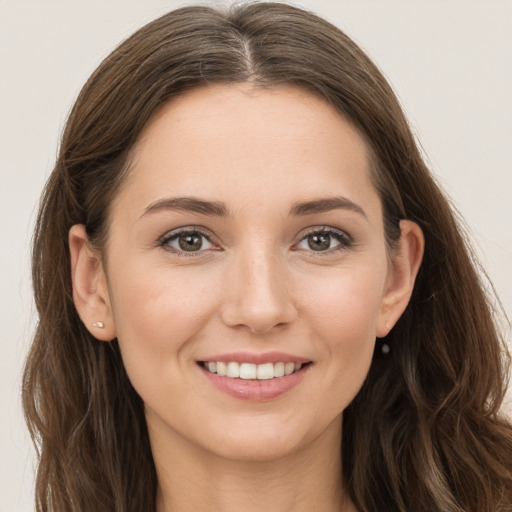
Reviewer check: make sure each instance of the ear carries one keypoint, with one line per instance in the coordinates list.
(402, 274)
(90, 291)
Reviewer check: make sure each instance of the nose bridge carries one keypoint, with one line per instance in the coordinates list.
(259, 294)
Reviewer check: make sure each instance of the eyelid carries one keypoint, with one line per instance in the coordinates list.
(183, 230)
(344, 238)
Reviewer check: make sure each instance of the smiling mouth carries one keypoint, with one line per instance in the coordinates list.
(250, 371)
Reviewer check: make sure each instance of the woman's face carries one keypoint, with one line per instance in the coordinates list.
(248, 233)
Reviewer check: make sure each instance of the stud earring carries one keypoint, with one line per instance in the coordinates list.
(385, 348)
(99, 325)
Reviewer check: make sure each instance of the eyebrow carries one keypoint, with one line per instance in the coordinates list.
(188, 204)
(219, 209)
(326, 205)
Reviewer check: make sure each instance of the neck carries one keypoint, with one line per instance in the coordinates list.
(191, 479)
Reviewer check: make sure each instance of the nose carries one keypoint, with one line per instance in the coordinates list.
(258, 293)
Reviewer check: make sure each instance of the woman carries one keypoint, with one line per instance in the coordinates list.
(238, 212)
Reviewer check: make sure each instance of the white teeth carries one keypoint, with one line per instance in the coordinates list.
(289, 368)
(221, 369)
(250, 371)
(279, 370)
(247, 371)
(265, 371)
(233, 370)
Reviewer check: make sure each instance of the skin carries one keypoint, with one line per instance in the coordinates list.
(255, 285)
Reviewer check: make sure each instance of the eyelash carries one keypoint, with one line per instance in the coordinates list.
(345, 241)
(175, 235)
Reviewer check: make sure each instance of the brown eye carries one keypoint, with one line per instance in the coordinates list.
(319, 241)
(190, 242)
(325, 240)
(187, 241)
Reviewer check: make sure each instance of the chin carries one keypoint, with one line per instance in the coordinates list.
(256, 448)
(257, 440)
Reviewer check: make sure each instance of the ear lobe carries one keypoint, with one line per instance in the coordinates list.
(90, 292)
(402, 275)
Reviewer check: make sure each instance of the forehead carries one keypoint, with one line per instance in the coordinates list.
(240, 143)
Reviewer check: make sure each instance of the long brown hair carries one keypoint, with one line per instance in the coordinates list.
(423, 434)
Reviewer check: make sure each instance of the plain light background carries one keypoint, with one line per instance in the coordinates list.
(450, 63)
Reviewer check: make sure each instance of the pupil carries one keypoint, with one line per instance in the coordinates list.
(190, 242)
(319, 242)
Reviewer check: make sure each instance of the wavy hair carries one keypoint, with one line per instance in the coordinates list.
(423, 434)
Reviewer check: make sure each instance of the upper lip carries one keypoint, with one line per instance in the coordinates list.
(250, 357)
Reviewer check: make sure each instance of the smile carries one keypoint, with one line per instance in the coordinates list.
(251, 371)
(255, 377)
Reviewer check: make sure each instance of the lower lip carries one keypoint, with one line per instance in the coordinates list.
(256, 390)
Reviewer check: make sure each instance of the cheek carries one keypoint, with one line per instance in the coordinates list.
(346, 305)
(343, 316)
(156, 313)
